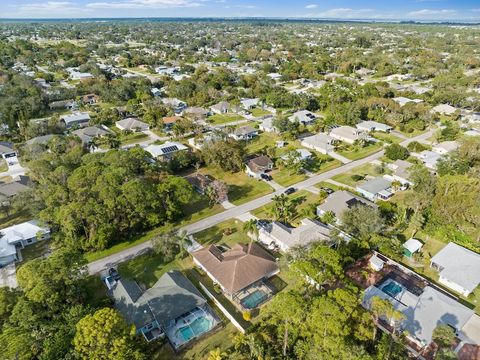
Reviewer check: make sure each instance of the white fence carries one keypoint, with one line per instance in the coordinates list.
(222, 309)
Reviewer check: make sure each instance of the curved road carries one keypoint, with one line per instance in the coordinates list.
(127, 254)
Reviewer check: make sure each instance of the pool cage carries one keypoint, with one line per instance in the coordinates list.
(254, 295)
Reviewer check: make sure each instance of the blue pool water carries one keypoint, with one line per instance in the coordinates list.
(392, 289)
(254, 299)
(196, 328)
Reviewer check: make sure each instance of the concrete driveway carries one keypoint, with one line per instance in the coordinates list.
(8, 276)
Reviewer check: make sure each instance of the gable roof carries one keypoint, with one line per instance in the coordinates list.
(165, 149)
(460, 265)
(376, 185)
(172, 296)
(238, 267)
(132, 123)
(260, 163)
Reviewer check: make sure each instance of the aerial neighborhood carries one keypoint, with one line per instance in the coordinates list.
(239, 189)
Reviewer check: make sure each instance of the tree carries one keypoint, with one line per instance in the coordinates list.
(362, 222)
(225, 154)
(396, 152)
(216, 354)
(329, 218)
(283, 208)
(166, 245)
(217, 192)
(105, 336)
(444, 336)
(293, 162)
(251, 228)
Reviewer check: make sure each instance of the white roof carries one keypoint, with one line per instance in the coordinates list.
(375, 260)
(132, 123)
(403, 100)
(346, 132)
(249, 102)
(165, 149)
(15, 234)
(412, 245)
(304, 116)
(320, 140)
(460, 265)
(446, 146)
(369, 124)
(444, 109)
(76, 117)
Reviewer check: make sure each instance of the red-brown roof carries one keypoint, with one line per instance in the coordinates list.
(238, 267)
(171, 119)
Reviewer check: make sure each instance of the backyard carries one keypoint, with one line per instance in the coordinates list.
(218, 119)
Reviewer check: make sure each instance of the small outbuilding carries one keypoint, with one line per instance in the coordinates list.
(411, 246)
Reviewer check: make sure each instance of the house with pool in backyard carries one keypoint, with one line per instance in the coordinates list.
(172, 308)
(242, 272)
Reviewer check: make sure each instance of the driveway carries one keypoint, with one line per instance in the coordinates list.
(238, 211)
(8, 277)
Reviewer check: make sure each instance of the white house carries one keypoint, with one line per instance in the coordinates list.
(79, 119)
(220, 108)
(304, 117)
(320, 142)
(411, 246)
(376, 263)
(258, 166)
(267, 125)
(369, 126)
(402, 101)
(376, 189)
(18, 236)
(444, 109)
(165, 151)
(244, 133)
(401, 173)
(278, 234)
(429, 158)
(346, 134)
(339, 202)
(458, 267)
(445, 147)
(249, 104)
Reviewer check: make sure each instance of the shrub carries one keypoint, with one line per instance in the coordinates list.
(247, 316)
(396, 152)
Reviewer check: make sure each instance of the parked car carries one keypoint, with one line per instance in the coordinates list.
(263, 223)
(114, 274)
(266, 177)
(290, 191)
(327, 190)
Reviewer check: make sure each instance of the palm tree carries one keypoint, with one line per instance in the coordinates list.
(113, 141)
(183, 239)
(93, 143)
(251, 228)
(216, 354)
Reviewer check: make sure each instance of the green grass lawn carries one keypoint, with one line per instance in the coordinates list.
(218, 119)
(304, 198)
(386, 137)
(217, 234)
(284, 178)
(367, 169)
(241, 188)
(258, 143)
(356, 152)
(196, 210)
(35, 250)
(257, 112)
(133, 138)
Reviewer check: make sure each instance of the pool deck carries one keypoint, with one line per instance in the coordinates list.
(240, 297)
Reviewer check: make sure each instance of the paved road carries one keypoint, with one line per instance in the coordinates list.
(112, 260)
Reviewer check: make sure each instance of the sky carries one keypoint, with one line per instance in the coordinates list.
(421, 10)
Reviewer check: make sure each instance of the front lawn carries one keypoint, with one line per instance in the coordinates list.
(257, 112)
(132, 138)
(283, 177)
(263, 140)
(305, 199)
(218, 119)
(386, 137)
(229, 232)
(241, 188)
(355, 152)
(348, 178)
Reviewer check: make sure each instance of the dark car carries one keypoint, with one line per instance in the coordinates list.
(290, 191)
(114, 274)
(266, 177)
(327, 190)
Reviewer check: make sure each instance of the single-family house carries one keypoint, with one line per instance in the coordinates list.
(6, 150)
(200, 182)
(411, 246)
(248, 104)
(258, 166)
(76, 119)
(16, 237)
(221, 108)
(244, 133)
(156, 92)
(304, 117)
(199, 141)
(88, 133)
(90, 99)
(165, 151)
(370, 125)
(458, 267)
(275, 76)
(77, 75)
(320, 142)
(443, 109)
(346, 134)
(239, 271)
(10, 189)
(169, 121)
(132, 124)
(169, 308)
(197, 113)
(340, 201)
(177, 105)
(402, 101)
(285, 237)
(445, 147)
(376, 189)
(401, 173)
(63, 104)
(266, 125)
(429, 158)
(376, 263)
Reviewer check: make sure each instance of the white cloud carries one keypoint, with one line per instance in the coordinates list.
(347, 13)
(311, 6)
(432, 12)
(50, 8)
(144, 4)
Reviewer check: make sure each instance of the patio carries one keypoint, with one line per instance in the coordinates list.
(254, 296)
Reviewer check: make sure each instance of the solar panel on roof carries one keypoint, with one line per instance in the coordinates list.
(169, 149)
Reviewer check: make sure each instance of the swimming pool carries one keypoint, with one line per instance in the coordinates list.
(254, 299)
(392, 288)
(196, 328)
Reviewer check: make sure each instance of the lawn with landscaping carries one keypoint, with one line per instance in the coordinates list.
(219, 119)
(355, 152)
(258, 112)
(358, 175)
(386, 137)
